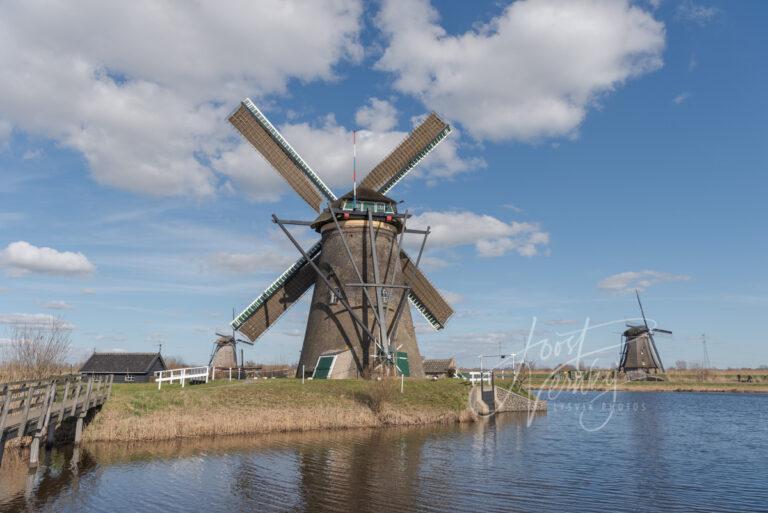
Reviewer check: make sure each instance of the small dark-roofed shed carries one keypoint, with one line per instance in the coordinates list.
(440, 368)
(126, 367)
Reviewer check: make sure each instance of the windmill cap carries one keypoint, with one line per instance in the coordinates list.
(635, 331)
(365, 194)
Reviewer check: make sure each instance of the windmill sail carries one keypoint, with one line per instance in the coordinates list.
(407, 155)
(284, 292)
(254, 126)
(424, 295)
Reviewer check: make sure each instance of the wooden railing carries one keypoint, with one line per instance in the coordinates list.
(39, 407)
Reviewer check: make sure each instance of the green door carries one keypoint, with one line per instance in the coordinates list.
(324, 367)
(402, 364)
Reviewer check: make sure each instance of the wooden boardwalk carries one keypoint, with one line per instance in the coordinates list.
(38, 408)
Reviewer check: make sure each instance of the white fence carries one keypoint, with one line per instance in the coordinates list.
(476, 377)
(181, 375)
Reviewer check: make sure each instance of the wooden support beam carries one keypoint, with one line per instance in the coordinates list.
(79, 430)
(2, 447)
(6, 407)
(77, 396)
(42, 425)
(27, 401)
(60, 419)
(111, 379)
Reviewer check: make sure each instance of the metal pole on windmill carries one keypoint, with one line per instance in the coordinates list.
(354, 168)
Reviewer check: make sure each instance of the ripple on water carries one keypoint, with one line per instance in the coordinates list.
(659, 452)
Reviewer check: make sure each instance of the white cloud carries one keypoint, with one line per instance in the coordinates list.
(695, 13)
(532, 72)
(250, 263)
(33, 154)
(491, 237)
(34, 320)
(143, 92)
(561, 322)
(22, 258)
(638, 280)
(681, 98)
(57, 305)
(453, 298)
(327, 147)
(88, 291)
(378, 115)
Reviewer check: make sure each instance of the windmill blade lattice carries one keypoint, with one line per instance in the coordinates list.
(254, 126)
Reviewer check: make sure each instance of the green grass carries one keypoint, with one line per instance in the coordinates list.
(144, 398)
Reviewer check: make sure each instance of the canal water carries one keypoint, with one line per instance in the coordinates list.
(590, 452)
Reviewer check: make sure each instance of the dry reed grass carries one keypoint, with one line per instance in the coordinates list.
(141, 412)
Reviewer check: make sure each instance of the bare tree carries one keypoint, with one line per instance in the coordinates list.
(681, 365)
(38, 350)
(175, 362)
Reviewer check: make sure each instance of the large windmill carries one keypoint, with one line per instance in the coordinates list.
(359, 321)
(639, 355)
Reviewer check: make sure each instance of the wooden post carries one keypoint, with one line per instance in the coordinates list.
(213, 373)
(42, 424)
(3, 418)
(6, 406)
(87, 401)
(206, 374)
(230, 373)
(26, 402)
(109, 390)
(2, 447)
(79, 430)
(63, 404)
(183, 375)
(77, 396)
(100, 392)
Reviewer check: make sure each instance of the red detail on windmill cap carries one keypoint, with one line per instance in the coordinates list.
(346, 215)
(389, 218)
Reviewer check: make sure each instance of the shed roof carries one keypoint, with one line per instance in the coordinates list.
(121, 363)
(441, 366)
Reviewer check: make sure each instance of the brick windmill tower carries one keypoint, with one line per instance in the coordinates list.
(359, 321)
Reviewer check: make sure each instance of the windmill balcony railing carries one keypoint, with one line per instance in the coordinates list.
(187, 374)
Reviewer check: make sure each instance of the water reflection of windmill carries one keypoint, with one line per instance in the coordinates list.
(359, 319)
(639, 356)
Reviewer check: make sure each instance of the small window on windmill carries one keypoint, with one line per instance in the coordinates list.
(385, 296)
(333, 298)
(380, 207)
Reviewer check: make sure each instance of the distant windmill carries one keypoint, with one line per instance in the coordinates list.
(359, 321)
(224, 352)
(639, 356)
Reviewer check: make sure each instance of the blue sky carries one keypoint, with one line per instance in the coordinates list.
(598, 147)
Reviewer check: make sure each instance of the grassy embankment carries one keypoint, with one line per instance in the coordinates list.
(141, 412)
(676, 381)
